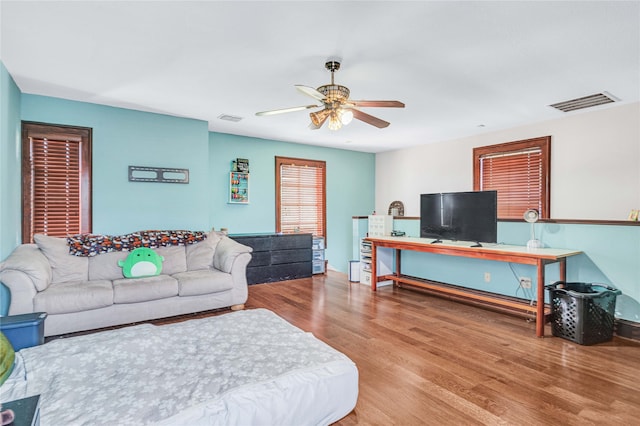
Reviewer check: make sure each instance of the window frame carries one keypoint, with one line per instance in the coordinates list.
(82, 135)
(279, 161)
(542, 143)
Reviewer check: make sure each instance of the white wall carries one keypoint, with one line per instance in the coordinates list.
(595, 165)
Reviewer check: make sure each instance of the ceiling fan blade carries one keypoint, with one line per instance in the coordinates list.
(310, 91)
(369, 119)
(385, 104)
(292, 109)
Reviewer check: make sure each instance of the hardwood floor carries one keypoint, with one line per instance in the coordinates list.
(424, 360)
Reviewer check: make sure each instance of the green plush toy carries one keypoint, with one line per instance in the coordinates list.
(141, 262)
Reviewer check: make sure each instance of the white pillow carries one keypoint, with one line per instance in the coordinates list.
(200, 254)
(64, 266)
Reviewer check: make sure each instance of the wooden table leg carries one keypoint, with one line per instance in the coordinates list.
(540, 318)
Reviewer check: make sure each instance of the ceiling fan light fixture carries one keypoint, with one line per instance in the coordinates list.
(346, 115)
(317, 118)
(334, 121)
(338, 109)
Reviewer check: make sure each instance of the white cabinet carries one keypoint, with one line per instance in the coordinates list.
(384, 263)
(380, 225)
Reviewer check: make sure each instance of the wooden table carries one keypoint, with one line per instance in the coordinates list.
(497, 252)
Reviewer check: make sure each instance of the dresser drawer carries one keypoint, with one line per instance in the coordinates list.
(290, 256)
(291, 241)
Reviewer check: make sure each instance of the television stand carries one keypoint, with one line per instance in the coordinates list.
(502, 253)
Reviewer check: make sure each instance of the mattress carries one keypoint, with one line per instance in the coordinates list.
(248, 367)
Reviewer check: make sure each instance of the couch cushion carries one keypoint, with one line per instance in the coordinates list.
(194, 283)
(64, 266)
(76, 296)
(175, 259)
(133, 290)
(200, 255)
(104, 266)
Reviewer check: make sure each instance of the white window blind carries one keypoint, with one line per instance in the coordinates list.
(301, 196)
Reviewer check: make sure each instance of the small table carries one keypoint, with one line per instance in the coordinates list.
(499, 252)
(26, 411)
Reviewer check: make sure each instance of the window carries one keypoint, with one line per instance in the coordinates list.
(519, 171)
(300, 196)
(56, 180)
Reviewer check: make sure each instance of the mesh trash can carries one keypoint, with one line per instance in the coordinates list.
(582, 312)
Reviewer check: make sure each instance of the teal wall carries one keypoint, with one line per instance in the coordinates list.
(349, 188)
(611, 255)
(123, 137)
(10, 181)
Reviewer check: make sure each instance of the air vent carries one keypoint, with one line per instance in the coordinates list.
(228, 117)
(585, 102)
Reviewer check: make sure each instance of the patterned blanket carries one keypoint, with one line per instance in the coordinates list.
(92, 244)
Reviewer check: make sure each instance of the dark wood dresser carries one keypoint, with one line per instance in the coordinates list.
(277, 257)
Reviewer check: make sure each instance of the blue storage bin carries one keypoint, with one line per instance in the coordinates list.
(5, 300)
(24, 331)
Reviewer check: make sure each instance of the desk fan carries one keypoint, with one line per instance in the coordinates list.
(532, 216)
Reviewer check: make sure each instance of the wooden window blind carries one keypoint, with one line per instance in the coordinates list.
(300, 196)
(56, 181)
(519, 171)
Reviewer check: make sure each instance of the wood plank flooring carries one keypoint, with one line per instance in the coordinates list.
(425, 360)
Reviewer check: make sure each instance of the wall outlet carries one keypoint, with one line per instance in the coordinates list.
(487, 277)
(525, 282)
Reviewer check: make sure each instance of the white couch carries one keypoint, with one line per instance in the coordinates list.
(84, 293)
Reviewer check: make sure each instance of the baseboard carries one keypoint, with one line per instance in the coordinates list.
(627, 329)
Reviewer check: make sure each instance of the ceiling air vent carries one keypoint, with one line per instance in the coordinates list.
(228, 117)
(585, 102)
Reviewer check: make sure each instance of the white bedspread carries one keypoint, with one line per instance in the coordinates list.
(248, 367)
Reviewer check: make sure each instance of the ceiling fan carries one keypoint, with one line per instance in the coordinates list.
(338, 108)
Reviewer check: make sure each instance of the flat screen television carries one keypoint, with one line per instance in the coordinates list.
(460, 216)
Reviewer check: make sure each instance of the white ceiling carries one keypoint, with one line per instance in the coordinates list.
(457, 66)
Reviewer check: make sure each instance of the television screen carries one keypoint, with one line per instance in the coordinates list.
(463, 216)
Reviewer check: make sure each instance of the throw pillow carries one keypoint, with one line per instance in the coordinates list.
(200, 255)
(142, 262)
(174, 259)
(28, 258)
(64, 266)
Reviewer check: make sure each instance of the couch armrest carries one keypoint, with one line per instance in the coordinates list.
(26, 271)
(227, 252)
(239, 275)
